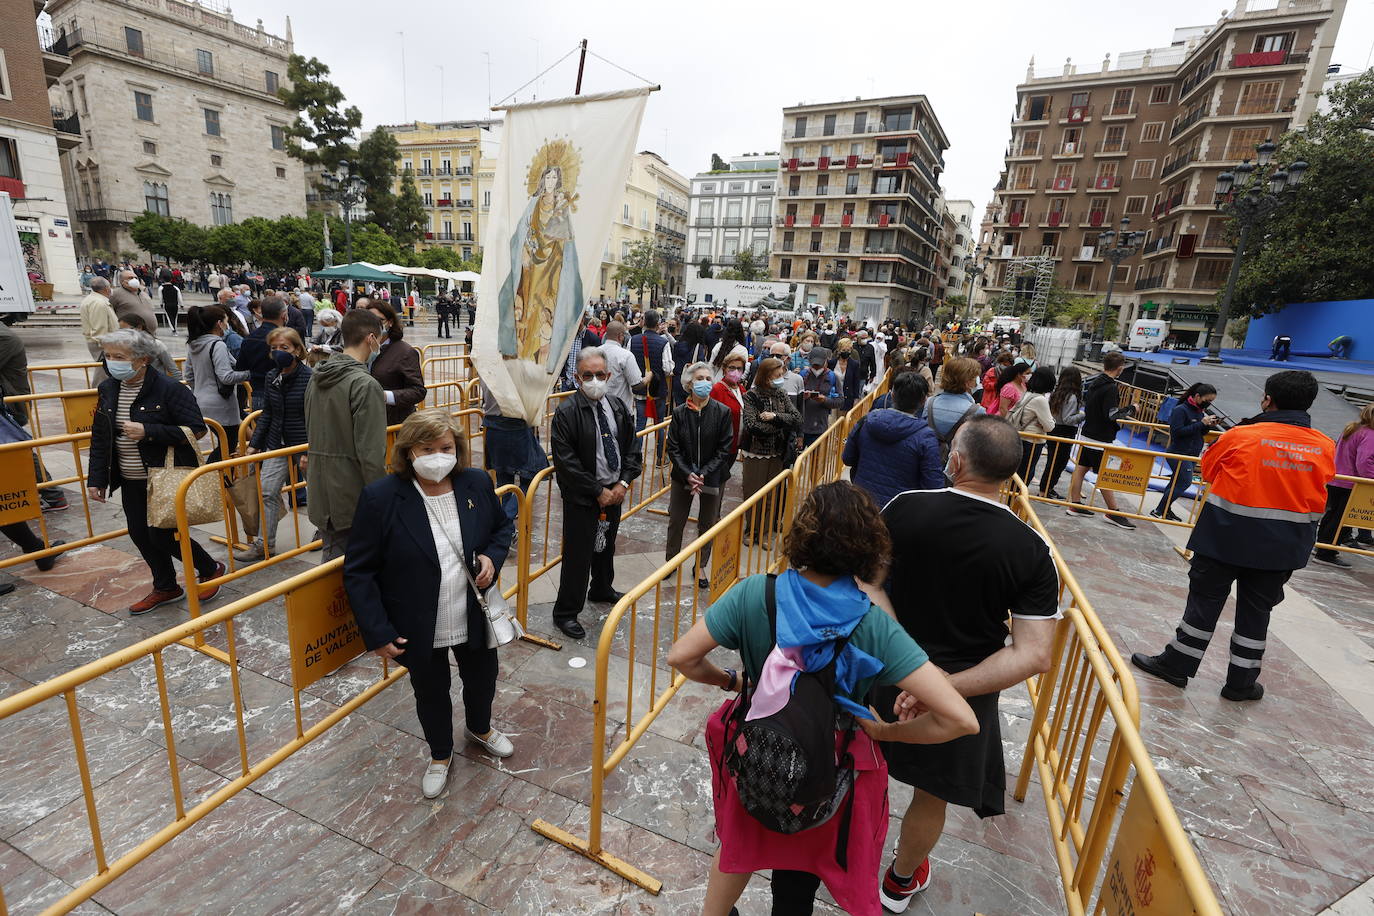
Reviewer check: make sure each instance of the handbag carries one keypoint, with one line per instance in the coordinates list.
(243, 493)
(223, 389)
(203, 501)
(502, 627)
(11, 430)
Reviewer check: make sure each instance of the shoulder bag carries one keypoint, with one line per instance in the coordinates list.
(204, 502)
(502, 626)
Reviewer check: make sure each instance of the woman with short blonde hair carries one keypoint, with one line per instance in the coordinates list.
(425, 539)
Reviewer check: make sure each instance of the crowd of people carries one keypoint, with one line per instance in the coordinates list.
(909, 677)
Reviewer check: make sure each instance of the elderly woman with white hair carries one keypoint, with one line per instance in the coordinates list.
(701, 451)
(328, 336)
(140, 414)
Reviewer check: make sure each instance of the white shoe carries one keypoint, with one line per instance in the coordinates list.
(497, 744)
(435, 778)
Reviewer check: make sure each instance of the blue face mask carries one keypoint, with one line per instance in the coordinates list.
(702, 388)
(778, 382)
(373, 357)
(283, 359)
(121, 369)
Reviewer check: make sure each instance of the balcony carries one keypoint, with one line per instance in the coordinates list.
(760, 221)
(1073, 150)
(1202, 279)
(822, 190)
(706, 221)
(1053, 218)
(1020, 186)
(1094, 218)
(1061, 185)
(107, 215)
(439, 236)
(1115, 112)
(15, 188)
(1118, 147)
(173, 59)
(1105, 183)
(671, 207)
(463, 203)
(444, 202)
(1178, 162)
(1150, 282)
(1024, 151)
(1026, 116)
(1188, 120)
(1198, 75)
(68, 127)
(1268, 59)
(788, 247)
(444, 170)
(1163, 243)
(1215, 240)
(425, 173)
(733, 221)
(1164, 207)
(463, 170)
(1077, 114)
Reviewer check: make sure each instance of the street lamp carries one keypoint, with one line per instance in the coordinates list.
(349, 190)
(1115, 247)
(1241, 195)
(974, 270)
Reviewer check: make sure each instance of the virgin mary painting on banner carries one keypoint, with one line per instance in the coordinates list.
(560, 180)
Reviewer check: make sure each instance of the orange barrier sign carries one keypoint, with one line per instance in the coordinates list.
(320, 627)
(1125, 472)
(79, 413)
(1142, 877)
(18, 487)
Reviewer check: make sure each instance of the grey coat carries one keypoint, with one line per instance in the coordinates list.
(209, 365)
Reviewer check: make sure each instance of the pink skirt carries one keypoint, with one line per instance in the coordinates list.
(748, 846)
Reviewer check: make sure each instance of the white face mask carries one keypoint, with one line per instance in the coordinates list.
(434, 467)
(594, 388)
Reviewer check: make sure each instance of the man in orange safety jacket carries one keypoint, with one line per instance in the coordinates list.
(1268, 480)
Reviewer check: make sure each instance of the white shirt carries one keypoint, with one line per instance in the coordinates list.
(451, 622)
(625, 373)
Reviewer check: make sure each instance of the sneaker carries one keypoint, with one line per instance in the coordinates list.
(1054, 494)
(896, 896)
(1154, 513)
(48, 563)
(1332, 559)
(1078, 510)
(210, 591)
(56, 505)
(250, 554)
(156, 598)
(496, 744)
(1241, 694)
(435, 778)
(1120, 521)
(1358, 544)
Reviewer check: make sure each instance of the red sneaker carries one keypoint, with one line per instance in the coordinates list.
(156, 598)
(210, 591)
(896, 896)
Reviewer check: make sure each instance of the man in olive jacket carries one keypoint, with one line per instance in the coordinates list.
(345, 422)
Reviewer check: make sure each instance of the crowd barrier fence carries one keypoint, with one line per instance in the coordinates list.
(446, 368)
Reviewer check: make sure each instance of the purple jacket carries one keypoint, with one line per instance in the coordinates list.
(1355, 456)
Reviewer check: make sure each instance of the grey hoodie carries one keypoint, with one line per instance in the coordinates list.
(209, 365)
(345, 422)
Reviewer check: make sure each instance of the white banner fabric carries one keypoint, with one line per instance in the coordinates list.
(559, 182)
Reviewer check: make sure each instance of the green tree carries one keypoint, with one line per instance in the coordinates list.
(640, 268)
(320, 119)
(440, 259)
(835, 295)
(704, 268)
(151, 232)
(408, 219)
(227, 245)
(1318, 246)
(186, 242)
(718, 164)
(748, 266)
(473, 263)
(287, 243)
(375, 164)
(371, 243)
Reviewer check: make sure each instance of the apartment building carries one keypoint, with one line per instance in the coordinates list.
(633, 223)
(177, 112)
(31, 135)
(858, 203)
(1145, 139)
(446, 160)
(732, 211)
(957, 243)
(670, 221)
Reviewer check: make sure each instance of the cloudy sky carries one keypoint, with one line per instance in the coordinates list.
(727, 69)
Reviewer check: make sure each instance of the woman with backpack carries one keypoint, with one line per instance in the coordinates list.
(1033, 415)
(831, 824)
(954, 405)
(209, 370)
(1066, 404)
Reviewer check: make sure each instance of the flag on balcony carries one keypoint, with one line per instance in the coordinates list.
(557, 187)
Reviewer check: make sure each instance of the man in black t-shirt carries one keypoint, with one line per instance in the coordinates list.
(1100, 397)
(990, 564)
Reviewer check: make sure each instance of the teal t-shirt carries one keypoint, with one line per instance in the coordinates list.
(739, 621)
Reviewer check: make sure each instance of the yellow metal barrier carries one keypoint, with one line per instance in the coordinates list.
(435, 350)
(1085, 732)
(77, 408)
(19, 463)
(65, 688)
(1359, 513)
(446, 368)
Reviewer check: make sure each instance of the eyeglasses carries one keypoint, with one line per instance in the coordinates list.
(588, 376)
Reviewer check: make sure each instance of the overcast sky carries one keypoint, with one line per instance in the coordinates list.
(727, 69)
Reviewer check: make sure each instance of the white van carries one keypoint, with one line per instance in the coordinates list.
(1147, 334)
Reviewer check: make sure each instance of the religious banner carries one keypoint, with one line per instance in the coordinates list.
(559, 183)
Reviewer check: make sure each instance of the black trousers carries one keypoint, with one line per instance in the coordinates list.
(580, 562)
(158, 546)
(1209, 585)
(442, 315)
(224, 450)
(477, 668)
(1330, 530)
(1030, 454)
(23, 537)
(1059, 456)
(794, 892)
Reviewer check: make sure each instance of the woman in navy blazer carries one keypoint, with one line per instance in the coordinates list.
(421, 538)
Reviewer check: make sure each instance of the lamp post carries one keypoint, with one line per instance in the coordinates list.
(348, 190)
(1241, 195)
(1115, 247)
(974, 270)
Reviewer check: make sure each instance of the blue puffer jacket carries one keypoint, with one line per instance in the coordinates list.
(892, 452)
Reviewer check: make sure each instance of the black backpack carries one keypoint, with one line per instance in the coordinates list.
(948, 438)
(785, 767)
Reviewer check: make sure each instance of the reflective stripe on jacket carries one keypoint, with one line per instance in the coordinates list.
(1268, 491)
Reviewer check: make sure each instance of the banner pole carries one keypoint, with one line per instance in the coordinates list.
(581, 63)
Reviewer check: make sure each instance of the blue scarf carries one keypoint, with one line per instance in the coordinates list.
(812, 617)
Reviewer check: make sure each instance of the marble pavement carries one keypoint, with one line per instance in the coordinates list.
(1278, 796)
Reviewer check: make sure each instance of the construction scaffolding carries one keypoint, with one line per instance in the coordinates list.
(1027, 277)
